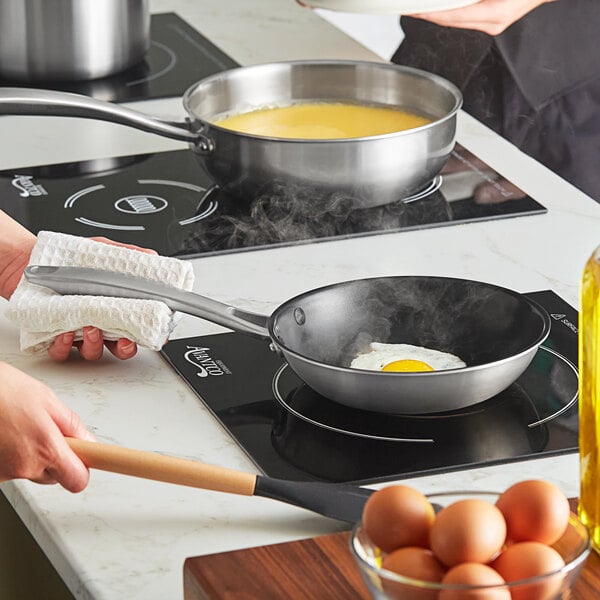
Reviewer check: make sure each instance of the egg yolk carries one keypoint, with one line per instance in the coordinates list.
(407, 366)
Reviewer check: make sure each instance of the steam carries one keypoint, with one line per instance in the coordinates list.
(284, 214)
(471, 320)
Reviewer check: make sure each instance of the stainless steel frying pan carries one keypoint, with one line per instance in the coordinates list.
(495, 331)
(365, 172)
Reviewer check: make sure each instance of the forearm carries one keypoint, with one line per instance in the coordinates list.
(16, 243)
(490, 16)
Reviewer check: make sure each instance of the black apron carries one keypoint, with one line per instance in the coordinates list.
(537, 83)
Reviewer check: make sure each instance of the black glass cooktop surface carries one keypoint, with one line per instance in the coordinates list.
(291, 432)
(178, 57)
(166, 201)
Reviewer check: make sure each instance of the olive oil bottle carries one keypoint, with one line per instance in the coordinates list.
(589, 398)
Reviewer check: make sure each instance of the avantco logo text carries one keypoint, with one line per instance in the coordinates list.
(26, 186)
(206, 366)
(562, 318)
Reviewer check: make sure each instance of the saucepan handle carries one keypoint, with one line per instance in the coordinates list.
(95, 282)
(23, 101)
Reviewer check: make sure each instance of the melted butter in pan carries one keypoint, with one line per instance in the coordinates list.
(323, 121)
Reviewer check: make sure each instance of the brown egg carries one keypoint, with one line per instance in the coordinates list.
(535, 511)
(471, 530)
(417, 563)
(396, 516)
(474, 574)
(530, 559)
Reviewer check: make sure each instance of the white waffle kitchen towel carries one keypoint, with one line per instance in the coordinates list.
(42, 314)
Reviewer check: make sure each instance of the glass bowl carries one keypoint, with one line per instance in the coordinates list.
(574, 546)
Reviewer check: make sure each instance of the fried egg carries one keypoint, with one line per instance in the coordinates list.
(405, 358)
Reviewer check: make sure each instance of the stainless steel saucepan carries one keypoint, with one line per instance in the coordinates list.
(366, 171)
(71, 40)
(495, 331)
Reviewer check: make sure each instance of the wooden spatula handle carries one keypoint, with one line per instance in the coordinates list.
(151, 465)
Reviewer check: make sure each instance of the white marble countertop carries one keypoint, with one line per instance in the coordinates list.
(127, 538)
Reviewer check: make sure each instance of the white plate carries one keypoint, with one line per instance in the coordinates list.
(383, 7)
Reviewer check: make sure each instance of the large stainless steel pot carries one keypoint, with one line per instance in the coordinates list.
(369, 171)
(71, 40)
(495, 331)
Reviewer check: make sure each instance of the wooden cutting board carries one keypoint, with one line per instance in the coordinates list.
(320, 567)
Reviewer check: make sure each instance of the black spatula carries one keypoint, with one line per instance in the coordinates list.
(338, 501)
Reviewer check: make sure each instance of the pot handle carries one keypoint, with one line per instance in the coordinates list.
(24, 101)
(95, 282)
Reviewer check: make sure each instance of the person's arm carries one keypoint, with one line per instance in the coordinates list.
(490, 16)
(33, 423)
(16, 244)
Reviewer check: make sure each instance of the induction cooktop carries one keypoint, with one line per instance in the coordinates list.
(291, 432)
(167, 201)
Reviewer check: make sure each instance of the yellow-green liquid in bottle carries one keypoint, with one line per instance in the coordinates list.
(589, 398)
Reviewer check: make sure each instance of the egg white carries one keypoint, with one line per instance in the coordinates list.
(383, 354)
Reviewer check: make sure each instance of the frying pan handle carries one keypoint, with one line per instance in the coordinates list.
(151, 465)
(95, 282)
(20, 101)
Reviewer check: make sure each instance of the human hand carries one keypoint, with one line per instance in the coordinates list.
(92, 345)
(33, 426)
(16, 258)
(490, 16)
